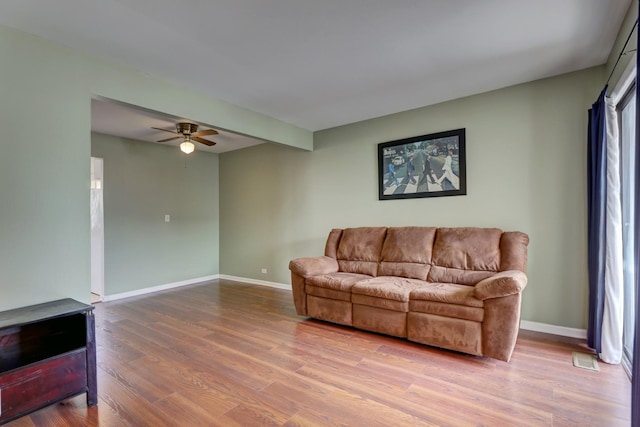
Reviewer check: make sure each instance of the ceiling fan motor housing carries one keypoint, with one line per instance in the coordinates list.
(186, 128)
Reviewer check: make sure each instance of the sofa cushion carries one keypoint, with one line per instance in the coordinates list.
(335, 286)
(451, 293)
(404, 269)
(359, 267)
(460, 253)
(391, 293)
(447, 310)
(407, 252)
(336, 281)
(359, 249)
(327, 293)
(456, 275)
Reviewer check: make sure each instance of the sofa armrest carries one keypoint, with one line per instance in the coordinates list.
(502, 284)
(314, 266)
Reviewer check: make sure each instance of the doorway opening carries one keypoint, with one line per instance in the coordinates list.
(97, 229)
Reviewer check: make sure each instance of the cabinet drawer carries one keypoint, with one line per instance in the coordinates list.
(40, 384)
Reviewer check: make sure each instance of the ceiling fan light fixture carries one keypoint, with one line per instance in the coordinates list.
(187, 131)
(187, 147)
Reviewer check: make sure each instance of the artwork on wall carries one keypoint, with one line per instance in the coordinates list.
(431, 165)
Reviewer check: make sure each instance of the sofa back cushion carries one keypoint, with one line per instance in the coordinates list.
(407, 252)
(359, 249)
(465, 255)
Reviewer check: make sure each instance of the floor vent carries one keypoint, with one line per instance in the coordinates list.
(585, 361)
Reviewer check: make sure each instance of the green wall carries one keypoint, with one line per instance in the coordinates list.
(44, 174)
(45, 101)
(142, 183)
(525, 171)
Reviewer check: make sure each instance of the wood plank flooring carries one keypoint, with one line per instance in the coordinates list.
(232, 354)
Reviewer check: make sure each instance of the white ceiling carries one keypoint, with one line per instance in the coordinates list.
(323, 63)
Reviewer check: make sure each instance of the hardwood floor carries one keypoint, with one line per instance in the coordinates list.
(233, 354)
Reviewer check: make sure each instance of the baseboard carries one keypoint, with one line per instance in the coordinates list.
(137, 292)
(256, 282)
(553, 329)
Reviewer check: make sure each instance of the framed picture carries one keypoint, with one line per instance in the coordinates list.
(431, 165)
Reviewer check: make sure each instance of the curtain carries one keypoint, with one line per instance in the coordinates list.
(613, 314)
(606, 292)
(596, 171)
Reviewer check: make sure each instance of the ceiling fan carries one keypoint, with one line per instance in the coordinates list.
(189, 132)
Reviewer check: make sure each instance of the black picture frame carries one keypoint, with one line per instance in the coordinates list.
(417, 166)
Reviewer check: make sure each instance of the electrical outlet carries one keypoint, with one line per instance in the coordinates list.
(264, 271)
(167, 218)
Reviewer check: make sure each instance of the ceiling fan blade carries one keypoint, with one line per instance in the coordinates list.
(205, 132)
(203, 141)
(169, 139)
(166, 130)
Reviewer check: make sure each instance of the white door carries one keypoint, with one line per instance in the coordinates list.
(97, 227)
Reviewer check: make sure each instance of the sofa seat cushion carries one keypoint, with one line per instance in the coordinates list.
(450, 293)
(337, 281)
(447, 310)
(388, 292)
(333, 285)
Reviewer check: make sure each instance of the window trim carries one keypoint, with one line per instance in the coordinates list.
(623, 92)
(627, 78)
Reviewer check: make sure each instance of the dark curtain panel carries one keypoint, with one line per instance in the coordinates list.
(635, 370)
(596, 196)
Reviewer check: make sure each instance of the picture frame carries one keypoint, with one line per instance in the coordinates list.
(432, 165)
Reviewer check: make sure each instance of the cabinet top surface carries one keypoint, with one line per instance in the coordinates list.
(39, 312)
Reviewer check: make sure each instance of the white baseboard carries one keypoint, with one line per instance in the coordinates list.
(256, 282)
(553, 329)
(113, 297)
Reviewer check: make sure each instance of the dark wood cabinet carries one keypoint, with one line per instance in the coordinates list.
(47, 354)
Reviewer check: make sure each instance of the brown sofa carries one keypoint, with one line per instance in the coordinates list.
(455, 288)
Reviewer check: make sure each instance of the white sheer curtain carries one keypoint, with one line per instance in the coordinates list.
(612, 320)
